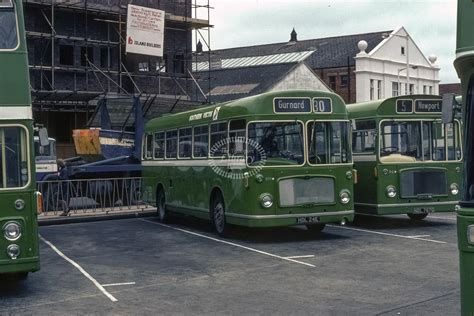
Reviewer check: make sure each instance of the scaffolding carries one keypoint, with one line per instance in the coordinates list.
(77, 52)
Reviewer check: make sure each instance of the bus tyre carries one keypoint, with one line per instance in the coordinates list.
(417, 217)
(315, 228)
(217, 213)
(161, 206)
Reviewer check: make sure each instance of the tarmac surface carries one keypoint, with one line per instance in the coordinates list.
(376, 266)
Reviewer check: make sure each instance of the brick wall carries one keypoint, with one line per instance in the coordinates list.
(334, 78)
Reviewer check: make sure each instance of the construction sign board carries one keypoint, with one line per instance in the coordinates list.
(145, 31)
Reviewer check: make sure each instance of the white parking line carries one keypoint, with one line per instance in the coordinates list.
(230, 243)
(300, 257)
(419, 236)
(78, 267)
(119, 284)
(388, 234)
(443, 218)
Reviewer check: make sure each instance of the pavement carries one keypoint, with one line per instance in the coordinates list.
(138, 266)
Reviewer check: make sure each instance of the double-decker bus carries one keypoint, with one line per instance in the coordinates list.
(18, 199)
(464, 65)
(276, 159)
(407, 160)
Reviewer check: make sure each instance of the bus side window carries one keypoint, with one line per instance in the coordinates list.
(159, 151)
(237, 137)
(218, 135)
(201, 141)
(8, 26)
(171, 144)
(453, 142)
(363, 137)
(185, 135)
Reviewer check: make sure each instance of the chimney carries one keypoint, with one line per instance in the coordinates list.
(293, 36)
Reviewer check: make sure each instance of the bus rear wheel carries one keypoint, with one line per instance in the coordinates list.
(218, 215)
(315, 228)
(161, 206)
(417, 217)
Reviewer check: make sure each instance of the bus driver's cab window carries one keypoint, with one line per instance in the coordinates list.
(469, 130)
(8, 25)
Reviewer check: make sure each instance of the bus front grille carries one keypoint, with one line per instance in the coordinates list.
(423, 183)
(307, 190)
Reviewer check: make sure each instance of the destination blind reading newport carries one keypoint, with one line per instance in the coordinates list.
(302, 105)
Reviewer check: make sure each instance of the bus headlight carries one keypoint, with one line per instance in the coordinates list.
(391, 191)
(470, 234)
(12, 231)
(266, 200)
(13, 251)
(345, 197)
(454, 189)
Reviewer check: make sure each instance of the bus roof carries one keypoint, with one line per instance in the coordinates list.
(418, 104)
(257, 106)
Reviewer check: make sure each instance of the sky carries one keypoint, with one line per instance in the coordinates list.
(431, 23)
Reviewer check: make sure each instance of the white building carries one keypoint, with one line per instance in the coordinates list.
(396, 66)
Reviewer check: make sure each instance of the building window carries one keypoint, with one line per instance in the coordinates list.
(372, 89)
(87, 53)
(425, 89)
(412, 88)
(332, 82)
(178, 64)
(379, 89)
(143, 66)
(395, 89)
(344, 80)
(402, 50)
(430, 90)
(66, 55)
(104, 57)
(161, 65)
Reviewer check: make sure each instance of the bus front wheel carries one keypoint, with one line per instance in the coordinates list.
(417, 217)
(161, 206)
(218, 215)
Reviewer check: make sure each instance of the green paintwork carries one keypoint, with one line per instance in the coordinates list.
(14, 81)
(374, 176)
(15, 91)
(464, 65)
(188, 189)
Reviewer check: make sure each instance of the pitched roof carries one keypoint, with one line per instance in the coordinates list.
(330, 52)
(233, 83)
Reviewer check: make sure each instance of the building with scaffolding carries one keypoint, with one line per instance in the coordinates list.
(77, 56)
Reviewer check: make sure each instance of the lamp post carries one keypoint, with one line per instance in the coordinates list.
(406, 37)
(407, 88)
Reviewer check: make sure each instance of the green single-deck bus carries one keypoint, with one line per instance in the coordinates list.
(276, 159)
(407, 160)
(18, 199)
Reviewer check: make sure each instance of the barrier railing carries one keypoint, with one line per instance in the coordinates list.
(67, 197)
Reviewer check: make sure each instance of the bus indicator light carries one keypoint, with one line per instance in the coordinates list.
(391, 191)
(470, 234)
(13, 251)
(454, 189)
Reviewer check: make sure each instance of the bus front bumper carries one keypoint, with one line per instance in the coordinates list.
(289, 219)
(19, 265)
(405, 208)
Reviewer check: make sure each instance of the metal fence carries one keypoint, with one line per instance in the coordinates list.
(67, 197)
